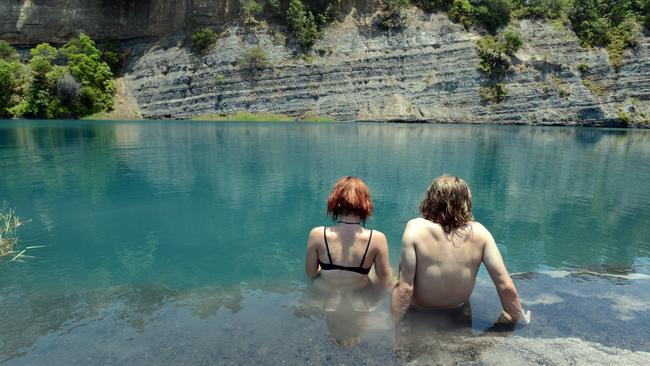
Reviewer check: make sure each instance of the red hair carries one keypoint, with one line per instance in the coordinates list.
(350, 195)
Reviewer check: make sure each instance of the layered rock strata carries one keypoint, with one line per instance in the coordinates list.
(426, 72)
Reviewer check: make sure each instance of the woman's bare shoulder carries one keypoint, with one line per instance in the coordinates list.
(316, 232)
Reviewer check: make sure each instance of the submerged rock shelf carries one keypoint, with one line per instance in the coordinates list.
(577, 319)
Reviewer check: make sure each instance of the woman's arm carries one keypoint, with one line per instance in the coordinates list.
(311, 261)
(382, 265)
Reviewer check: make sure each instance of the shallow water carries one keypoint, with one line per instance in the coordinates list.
(183, 242)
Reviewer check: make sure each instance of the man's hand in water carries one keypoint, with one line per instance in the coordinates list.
(523, 317)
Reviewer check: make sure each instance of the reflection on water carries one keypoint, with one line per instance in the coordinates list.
(345, 311)
(163, 231)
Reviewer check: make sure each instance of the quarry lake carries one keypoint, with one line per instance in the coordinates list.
(175, 242)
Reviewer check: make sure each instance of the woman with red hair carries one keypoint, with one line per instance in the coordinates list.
(345, 253)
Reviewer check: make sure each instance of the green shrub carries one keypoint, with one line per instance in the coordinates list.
(113, 54)
(85, 64)
(511, 41)
(433, 5)
(461, 11)
(254, 59)
(583, 69)
(276, 6)
(495, 52)
(550, 9)
(7, 52)
(249, 9)
(203, 38)
(302, 23)
(11, 82)
(495, 94)
(82, 85)
(493, 14)
(493, 61)
(390, 16)
(624, 117)
(623, 36)
(219, 78)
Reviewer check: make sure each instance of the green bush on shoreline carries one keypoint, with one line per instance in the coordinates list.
(70, 82)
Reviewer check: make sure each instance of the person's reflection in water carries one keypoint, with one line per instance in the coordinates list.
(345, 310)
(443, 337)
(434, 335)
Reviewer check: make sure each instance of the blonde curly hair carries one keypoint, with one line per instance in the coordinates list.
(448, 202)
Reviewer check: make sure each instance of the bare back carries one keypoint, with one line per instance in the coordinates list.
(447, 264)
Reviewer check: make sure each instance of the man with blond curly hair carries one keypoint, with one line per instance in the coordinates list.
(442, 252)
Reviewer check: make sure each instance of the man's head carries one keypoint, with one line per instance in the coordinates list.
(448, 202)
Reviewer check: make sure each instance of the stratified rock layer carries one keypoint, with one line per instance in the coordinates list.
(425, 72)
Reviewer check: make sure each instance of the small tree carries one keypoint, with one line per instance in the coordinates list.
(203, 39)
(95, 76)
(511, 41)
(461, 11)
(38, 97)
(493, 14)
(249, 9)
(302, 23)
(11, 81)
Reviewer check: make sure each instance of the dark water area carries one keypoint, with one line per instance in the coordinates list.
(182, 242)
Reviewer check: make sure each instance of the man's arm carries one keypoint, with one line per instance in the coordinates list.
(311, 261)
(403, 290)
(505, 286)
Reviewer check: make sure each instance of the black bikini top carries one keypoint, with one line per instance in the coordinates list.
(331, 266)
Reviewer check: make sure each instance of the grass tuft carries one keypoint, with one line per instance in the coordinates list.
(9, 224)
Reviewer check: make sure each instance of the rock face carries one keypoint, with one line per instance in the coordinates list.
(55, 21)
(425, 72)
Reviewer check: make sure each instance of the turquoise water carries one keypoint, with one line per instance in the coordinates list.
(141, 219)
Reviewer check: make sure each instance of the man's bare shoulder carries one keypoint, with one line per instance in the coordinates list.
(421, 225)
(479, 231)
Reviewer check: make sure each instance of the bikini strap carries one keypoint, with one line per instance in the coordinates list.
(326, 245)
(367, 246)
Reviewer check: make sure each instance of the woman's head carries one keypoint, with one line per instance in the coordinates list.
(350, 196)
(448, 202)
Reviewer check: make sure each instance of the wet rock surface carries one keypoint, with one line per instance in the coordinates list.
(577, 319)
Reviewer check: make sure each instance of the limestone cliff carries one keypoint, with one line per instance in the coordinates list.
(426, 72)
